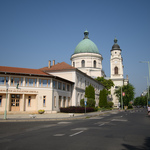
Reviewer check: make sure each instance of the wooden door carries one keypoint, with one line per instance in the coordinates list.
(15, 102)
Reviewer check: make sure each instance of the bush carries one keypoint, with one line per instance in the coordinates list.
(91, 102)
(110, 104)
(76, 109)
(130, 106)
(103, 98)
(41, 111)
(82, 103)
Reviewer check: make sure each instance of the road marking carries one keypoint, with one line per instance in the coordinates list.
(80, 129)
(101, 124)
(59, 134)
(76, 133)
(118, 120)
(63, 122)
(96, 118)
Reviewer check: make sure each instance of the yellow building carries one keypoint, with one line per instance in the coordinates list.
(30, 90)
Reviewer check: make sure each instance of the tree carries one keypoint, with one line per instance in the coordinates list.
(90, 92)
(103, 98)
(140, 101)
(107, 83)
(129, 94)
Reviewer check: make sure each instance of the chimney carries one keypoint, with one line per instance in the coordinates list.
(53, 62)
(49, 64)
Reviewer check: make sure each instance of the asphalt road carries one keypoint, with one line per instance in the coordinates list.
(117, 131)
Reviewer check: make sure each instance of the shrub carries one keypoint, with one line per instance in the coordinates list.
(90, 92)
(76, 109)
(82, 103)
(41, 111)
(91, 102)
(103, 98)
(130, 106)
(110, 104)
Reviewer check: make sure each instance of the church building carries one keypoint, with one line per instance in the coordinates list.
(59, 85)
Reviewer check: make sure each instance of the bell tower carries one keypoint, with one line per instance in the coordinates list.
(116, 71)
(116, 62)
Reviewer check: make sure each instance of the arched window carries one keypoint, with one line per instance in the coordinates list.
(83, 63)
(73, 64)
(116, 70)
(94, 63)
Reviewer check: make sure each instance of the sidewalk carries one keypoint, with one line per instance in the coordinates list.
(48, 117)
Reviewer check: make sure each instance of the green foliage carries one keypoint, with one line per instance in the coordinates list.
(107, 83)
(129, 94)
(130, 106)
(90, 92)
(91, 102)
(41, 111)
(110, 104)
(103, 98)
(140, 101)
(82, 103)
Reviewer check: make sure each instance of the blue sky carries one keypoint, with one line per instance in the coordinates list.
(35, 31)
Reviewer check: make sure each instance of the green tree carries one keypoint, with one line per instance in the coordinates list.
(140, 101)
(90, 92)
(107, 83)
(103, 98)
(129, 94)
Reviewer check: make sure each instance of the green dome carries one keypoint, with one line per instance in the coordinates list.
(86, 45)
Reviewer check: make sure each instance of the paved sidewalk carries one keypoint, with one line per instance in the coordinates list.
(56, 116)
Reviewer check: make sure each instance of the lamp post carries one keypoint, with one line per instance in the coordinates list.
(5, 113)
(149, 76)
(147, 91)
(121, 99)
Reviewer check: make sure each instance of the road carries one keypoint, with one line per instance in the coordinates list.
(116, 131)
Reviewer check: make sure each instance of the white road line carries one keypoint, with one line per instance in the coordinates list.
(101, 124)
(59, 134)
(76, 133)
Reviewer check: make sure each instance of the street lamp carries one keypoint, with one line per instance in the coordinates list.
(147, 91)
(149, 74)
(5, 113)
(148, 67)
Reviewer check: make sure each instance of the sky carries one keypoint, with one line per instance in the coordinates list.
(32, 32)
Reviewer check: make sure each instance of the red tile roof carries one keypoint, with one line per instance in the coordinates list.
(58, 67)
(22, 70)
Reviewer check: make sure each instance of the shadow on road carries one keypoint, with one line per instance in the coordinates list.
(146, 145)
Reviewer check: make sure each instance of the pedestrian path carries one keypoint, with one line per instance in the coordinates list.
(51, 116)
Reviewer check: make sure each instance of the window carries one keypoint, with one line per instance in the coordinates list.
(73, 64)
(29, 101)
(116, 70)
(44, 101)
(54, 84)
(3, 80)
(59, 101)
(16, 80)
(0, 100)
(68, 87)
(83, 63)
(68, 101)
(55, 101)
(94, 63)
(59, 85)
(31, 82)
(64, 102)
(44, 83)
(64, 86)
